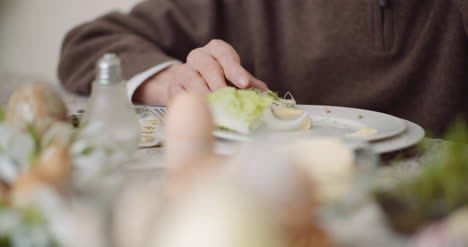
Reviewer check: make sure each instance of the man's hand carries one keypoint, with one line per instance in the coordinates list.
(207, 69)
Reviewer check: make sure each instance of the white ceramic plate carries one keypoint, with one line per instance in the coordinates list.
(340, 122)
(410, 137)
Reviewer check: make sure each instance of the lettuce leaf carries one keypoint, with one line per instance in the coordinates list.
(277, 100)
(238, 109)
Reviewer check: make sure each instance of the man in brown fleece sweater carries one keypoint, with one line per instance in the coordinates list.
(408, 58)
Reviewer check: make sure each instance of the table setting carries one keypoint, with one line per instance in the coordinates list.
(371, 173)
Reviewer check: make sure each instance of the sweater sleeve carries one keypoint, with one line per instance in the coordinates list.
(153, 32)
(463, 4)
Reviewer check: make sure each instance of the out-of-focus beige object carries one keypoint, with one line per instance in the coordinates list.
(25, 186)
(457, 226)
(189, 130)
(296, 215)
(53, 170)
(183, 178)
(328, 161)
(137, 208)
(190, 155)
(216, 214)
(283, 189)
(190, 144)
(207, 204)
(54, 166)
(37, 104)
(308, 235)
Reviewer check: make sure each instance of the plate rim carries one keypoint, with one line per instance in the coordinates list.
(376, 137)
(414, 133)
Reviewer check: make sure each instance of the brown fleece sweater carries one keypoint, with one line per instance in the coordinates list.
(408, 58)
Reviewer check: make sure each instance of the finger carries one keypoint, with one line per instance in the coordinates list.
(174, 90)
(197, 86)
(256, 83)
(208, 67)
(229, 60)
(193, 82)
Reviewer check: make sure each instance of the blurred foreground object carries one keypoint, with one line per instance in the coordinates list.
(37, 105)
(215, 214)
(458, 226)
(26, 226)
(452, 232)
(53, 165)
(16, 150)
(214, 201)
(282, 188)
(38, 146)
(439, 189)
(189, 131)
(36, 141)
(329, 162)
(38, 204)
(110, 132)
(48, 219)
(110, 121)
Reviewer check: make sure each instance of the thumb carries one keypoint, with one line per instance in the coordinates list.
(188, 131)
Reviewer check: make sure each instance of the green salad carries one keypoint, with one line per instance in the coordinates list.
(241, 110)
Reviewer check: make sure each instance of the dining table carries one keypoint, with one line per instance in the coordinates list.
(408, 159)
(149, 162)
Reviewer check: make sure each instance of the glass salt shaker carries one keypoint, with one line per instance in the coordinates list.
(110, 119)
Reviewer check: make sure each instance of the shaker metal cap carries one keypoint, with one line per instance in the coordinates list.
(108, 69)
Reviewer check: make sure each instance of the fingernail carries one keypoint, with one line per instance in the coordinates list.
(243, 80)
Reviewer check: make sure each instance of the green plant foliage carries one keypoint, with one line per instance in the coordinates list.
(37, 140)
(2, 114)
(442, 186)
(444, 179)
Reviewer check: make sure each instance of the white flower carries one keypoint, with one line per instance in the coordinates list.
(8, 169)
(90, 163)
(16, 225)
(92, 160)
(16, 149)
(9, 220)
